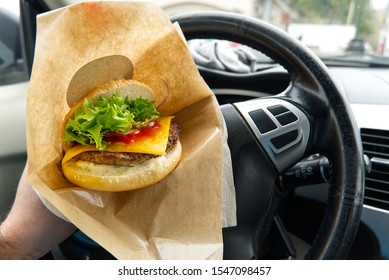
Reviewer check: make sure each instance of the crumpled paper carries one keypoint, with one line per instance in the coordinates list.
(220, 55)
(180, 217)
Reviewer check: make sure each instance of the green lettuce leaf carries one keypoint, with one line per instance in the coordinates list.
(95, 118)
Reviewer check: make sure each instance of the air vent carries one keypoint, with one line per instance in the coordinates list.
(376, 147)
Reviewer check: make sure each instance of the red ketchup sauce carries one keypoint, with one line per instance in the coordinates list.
(132, 137)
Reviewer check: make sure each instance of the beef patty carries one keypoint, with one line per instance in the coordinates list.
(129, 159)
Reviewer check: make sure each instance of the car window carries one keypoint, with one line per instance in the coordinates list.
(12, 68)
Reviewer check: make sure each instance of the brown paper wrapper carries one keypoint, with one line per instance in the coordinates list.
(180, 217)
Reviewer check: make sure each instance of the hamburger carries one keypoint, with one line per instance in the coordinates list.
(115, 139)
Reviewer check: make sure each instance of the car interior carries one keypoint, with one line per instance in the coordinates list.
(308, 137)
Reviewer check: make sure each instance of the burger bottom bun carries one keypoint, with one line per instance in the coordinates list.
(104, 177)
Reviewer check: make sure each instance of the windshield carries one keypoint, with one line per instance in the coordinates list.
(336, 30)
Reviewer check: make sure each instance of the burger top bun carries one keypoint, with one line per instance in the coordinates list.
(130, 88)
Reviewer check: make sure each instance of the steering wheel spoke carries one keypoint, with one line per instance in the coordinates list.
(282, 129)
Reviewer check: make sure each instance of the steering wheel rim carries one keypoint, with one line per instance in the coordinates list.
(334, 132)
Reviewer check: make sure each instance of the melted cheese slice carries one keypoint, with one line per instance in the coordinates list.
(155, 145)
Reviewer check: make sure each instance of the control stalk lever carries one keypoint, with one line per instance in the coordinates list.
(312, 170)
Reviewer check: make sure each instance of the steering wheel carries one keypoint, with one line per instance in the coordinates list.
(267, 136)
